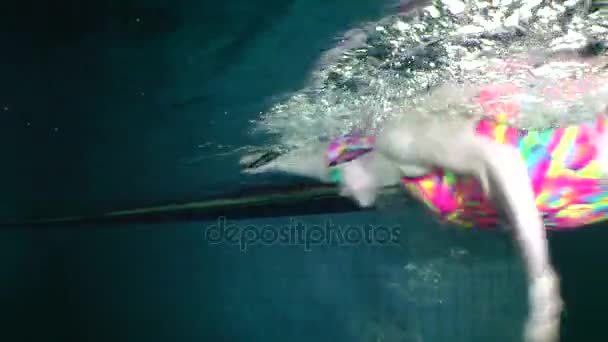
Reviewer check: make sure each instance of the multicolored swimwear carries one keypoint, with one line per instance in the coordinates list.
(570, 186)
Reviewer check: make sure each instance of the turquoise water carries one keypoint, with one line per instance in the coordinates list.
(116, 104)
(168, 282)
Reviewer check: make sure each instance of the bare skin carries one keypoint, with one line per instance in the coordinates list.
(412, 148)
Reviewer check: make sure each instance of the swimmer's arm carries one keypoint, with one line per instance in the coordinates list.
(361, 179)
(312, 163)
(307, 162)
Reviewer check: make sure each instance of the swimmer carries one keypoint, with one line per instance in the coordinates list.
(473, 172)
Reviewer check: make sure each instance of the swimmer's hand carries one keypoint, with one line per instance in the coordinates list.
(360, 179)
(363, 177)
(309, 162)
(359, 183)
(254, 163)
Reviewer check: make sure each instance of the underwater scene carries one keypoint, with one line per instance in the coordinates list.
(131, 127)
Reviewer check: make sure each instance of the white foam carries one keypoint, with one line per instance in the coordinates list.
(371, 89)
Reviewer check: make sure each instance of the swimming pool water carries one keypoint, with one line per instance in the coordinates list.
(117, 104)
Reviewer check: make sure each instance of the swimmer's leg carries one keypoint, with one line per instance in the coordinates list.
(453, 145)
(509, 179)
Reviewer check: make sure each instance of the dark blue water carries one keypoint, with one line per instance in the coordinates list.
(119, 103)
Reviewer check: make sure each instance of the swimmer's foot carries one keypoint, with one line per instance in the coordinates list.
(546, 306)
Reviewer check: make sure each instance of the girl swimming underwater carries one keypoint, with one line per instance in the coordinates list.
(471, 172)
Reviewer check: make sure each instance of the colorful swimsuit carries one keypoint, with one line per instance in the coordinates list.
(570, 187)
